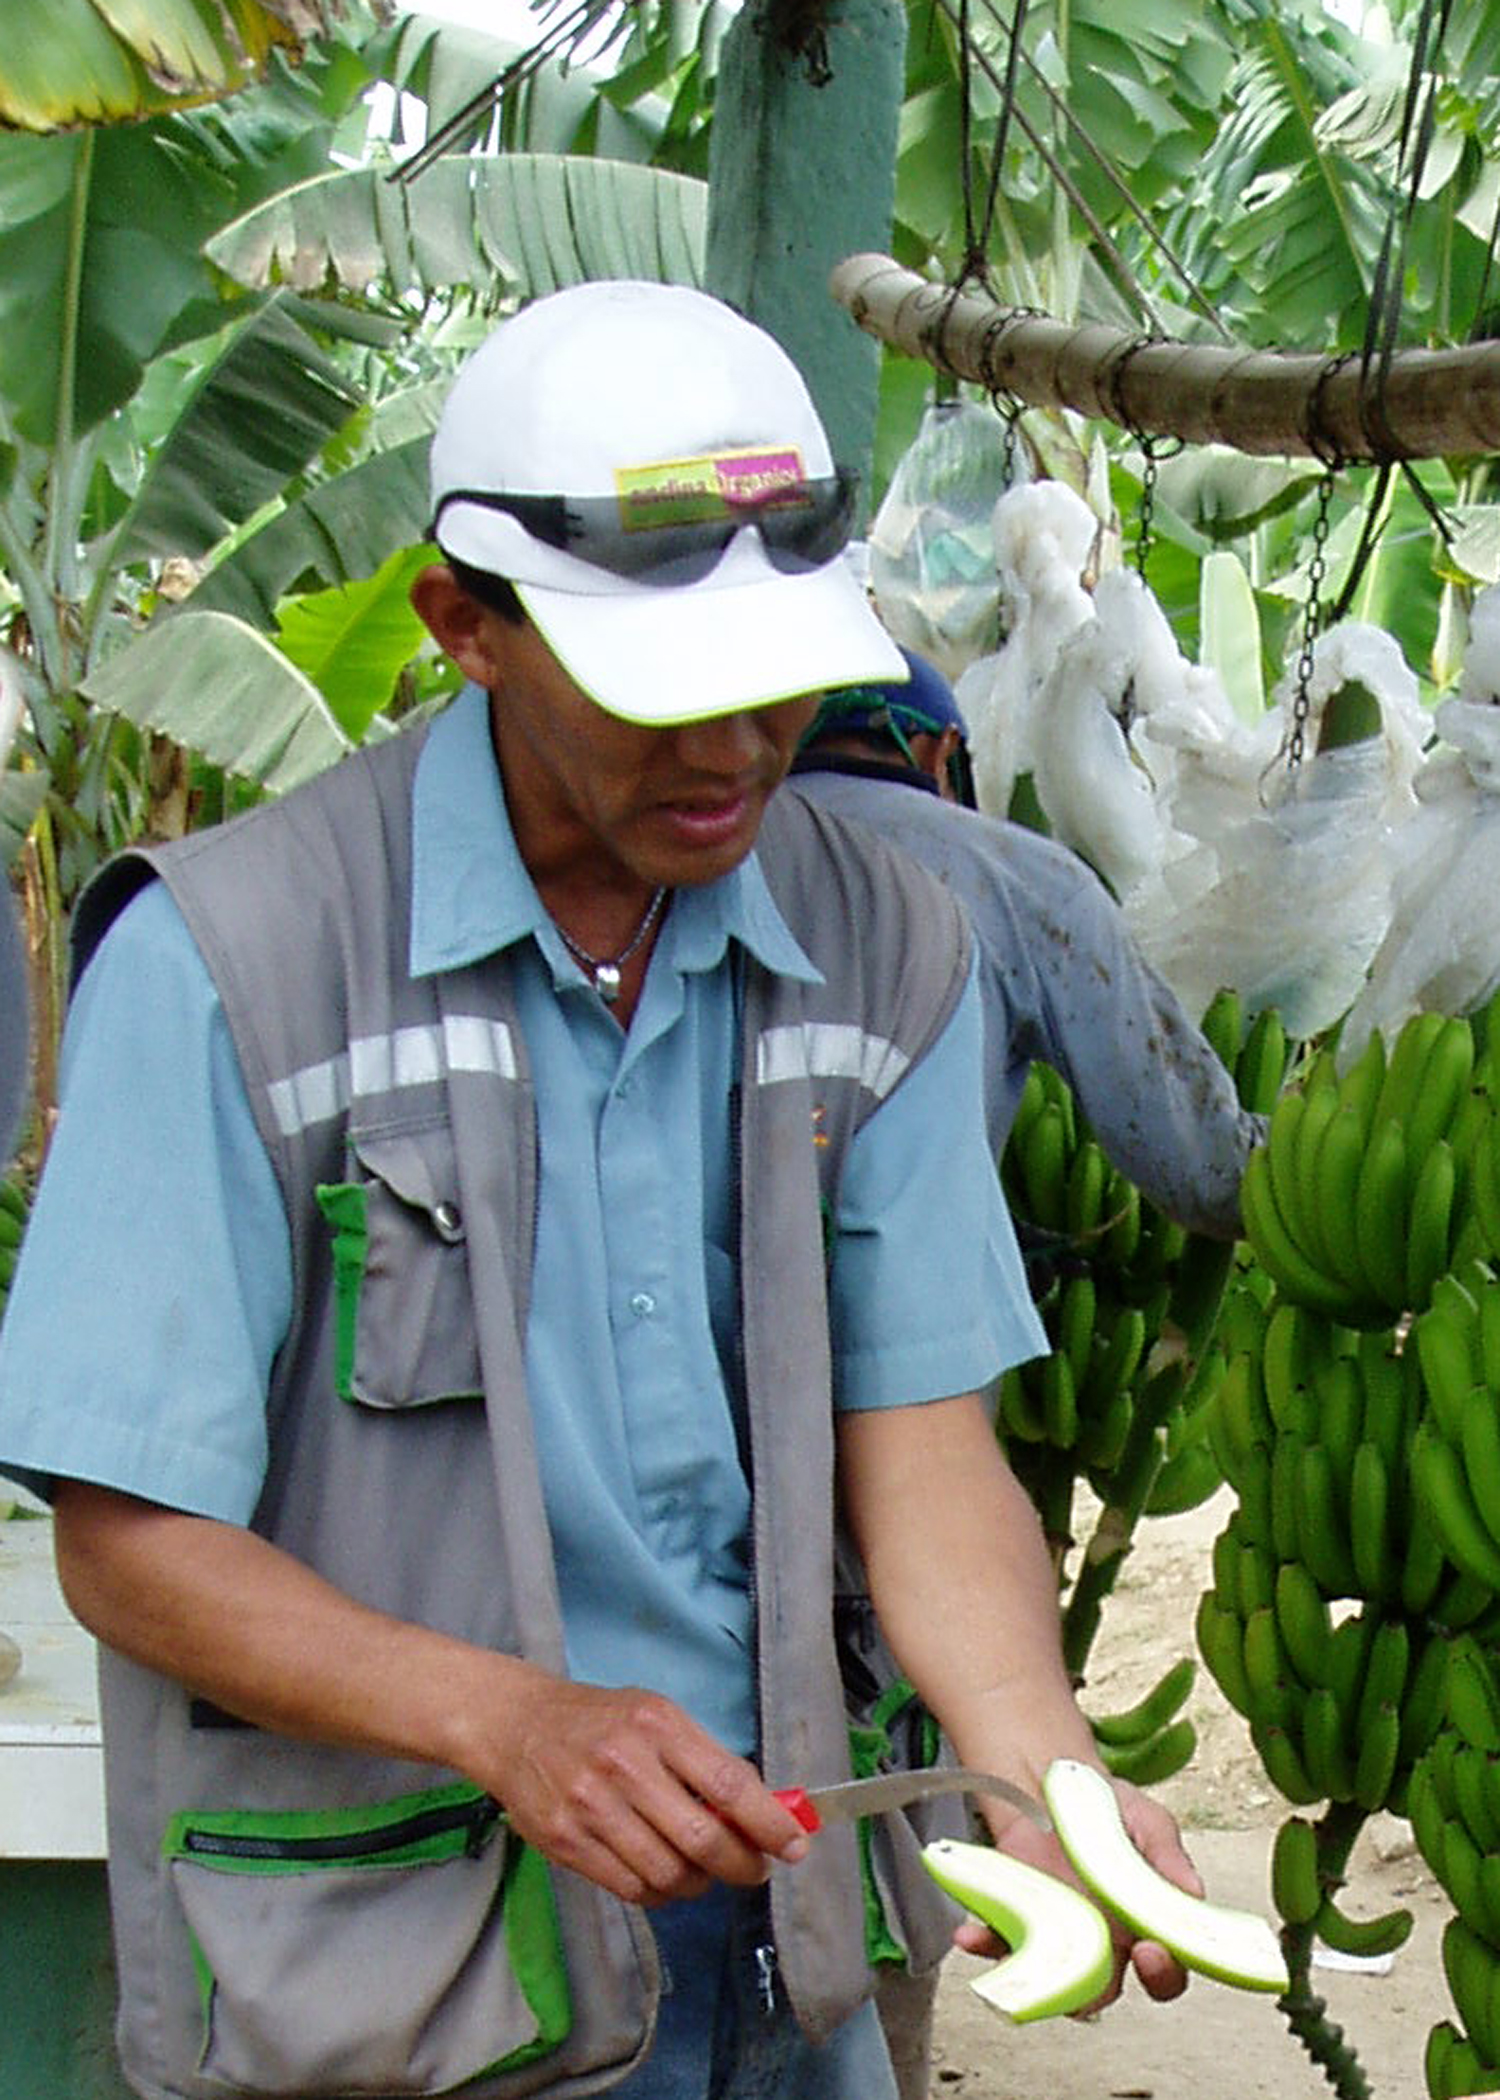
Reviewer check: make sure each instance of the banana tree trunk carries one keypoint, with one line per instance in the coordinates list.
(802, 169)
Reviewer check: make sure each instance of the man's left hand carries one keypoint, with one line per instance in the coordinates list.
(1155, 1836)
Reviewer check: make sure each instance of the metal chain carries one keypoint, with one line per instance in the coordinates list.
(1312, 619)
(1151, 451)
(1148, 503)
(1010, 412)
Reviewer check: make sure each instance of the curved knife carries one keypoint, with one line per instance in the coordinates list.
(853, 1798)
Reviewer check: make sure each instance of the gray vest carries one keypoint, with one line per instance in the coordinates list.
(300, 1920)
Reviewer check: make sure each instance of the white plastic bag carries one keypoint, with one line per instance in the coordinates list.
(1045, 540)
(932, 564)
(1440, 954)
(1289, 898)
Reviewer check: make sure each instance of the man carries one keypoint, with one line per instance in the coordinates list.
(1062, 979)
(506, 1166)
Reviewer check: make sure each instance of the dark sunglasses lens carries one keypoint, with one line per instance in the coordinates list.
(799, 531)
(799, 534)
(807, 536)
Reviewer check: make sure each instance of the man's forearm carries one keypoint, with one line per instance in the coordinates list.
(619, 1785)
(962, 1581)
(242, 1623)
(964, 1588)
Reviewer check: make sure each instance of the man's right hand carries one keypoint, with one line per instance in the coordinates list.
(624, 1788)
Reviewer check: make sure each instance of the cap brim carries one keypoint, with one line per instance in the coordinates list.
(685, 655)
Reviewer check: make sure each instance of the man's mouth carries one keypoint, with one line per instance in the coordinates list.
(707, 823)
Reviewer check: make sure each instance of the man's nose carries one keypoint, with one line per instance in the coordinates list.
(729, 744)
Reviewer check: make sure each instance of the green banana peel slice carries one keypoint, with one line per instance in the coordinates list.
(1061, 1957)
(1234, 1946)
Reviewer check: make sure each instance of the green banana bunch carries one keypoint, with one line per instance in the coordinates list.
(1372, 1186)
(1454, 1806)
(1078, 1398)
(1109, 1263)
(1189, 1471)
(1453, 2065)
(1296, 1879)
(1223, 1027)
(14, 1210)
(1314, 1433)
(1153, 1739)
(1338, 1712)
(1302, 1892)
(1260, 1068)
(1472, 1969)
(1455, 1447)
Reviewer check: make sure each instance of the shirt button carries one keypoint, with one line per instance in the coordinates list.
(643, 1305)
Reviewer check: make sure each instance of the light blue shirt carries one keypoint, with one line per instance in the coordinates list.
(155, 1283)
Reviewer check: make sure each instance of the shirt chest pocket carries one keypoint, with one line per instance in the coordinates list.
(405, 1334)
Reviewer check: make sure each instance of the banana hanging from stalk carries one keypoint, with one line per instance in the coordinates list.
(1374, 1185)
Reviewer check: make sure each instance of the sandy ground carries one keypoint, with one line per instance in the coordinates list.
(1214, 2043)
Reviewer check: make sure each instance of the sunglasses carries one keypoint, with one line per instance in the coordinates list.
(802, 524)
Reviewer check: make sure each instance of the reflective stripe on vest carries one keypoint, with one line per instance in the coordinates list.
(829, 1050)
(381, 1064)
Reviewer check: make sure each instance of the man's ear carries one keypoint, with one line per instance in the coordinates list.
(932, 748)
(458, 623)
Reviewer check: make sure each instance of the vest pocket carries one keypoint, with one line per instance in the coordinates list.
(405, 1334)
(401, 1949)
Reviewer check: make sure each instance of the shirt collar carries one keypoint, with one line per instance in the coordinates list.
(473, 896)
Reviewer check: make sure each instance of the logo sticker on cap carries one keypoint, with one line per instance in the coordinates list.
(704, 491)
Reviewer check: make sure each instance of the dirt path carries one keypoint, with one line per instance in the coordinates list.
(1215, 2043)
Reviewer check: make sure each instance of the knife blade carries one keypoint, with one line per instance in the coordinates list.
(852, 1798)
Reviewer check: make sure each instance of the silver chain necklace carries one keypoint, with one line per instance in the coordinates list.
(605, 970)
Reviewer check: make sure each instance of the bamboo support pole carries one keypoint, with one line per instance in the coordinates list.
(1434, 404)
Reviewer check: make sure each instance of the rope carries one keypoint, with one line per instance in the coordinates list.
(520, 69)
(1383, 316)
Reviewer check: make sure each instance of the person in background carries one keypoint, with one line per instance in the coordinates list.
(1062, 980)
(1061, 977)
(483, 1264)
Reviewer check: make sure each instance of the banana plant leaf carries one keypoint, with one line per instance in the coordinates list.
(522, 224)
(21, 796)
(1294, 217)
(100, 234)
(354, 643)
(221, 689)
(334, 532)
(1229, 632)
(261, 411)
(1475, 547)
(66, 63)
(451, 67)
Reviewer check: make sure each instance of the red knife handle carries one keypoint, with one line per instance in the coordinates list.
(800, 1802)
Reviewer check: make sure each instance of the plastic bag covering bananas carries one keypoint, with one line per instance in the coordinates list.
(1454, 1806)
(1372, 1186)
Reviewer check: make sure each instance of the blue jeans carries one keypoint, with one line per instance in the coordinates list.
(725, 2030)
